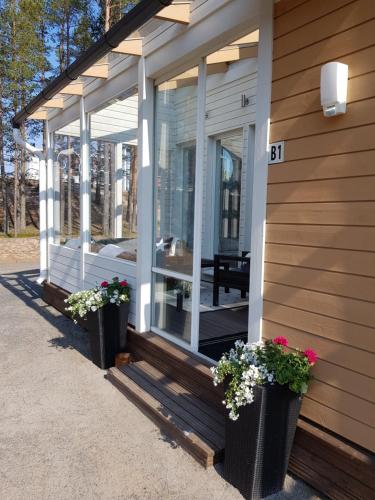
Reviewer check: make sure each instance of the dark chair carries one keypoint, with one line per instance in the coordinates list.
(230, 272)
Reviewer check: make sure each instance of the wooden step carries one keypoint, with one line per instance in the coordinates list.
(177, 363)
(180, 413)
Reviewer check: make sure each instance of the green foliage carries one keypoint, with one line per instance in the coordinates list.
(248, 365)
(115, 292)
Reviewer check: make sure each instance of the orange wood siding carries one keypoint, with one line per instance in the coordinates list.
(319, 288)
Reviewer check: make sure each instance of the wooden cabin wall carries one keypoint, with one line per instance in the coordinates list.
(319, 288)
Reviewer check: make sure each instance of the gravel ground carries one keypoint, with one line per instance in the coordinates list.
(67, 433)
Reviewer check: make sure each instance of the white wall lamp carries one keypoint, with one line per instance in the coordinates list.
(334, 88)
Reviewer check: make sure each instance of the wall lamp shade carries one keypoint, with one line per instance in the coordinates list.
(334, 88)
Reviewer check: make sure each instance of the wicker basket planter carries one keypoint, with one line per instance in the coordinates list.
(107, 329)
(258, 444)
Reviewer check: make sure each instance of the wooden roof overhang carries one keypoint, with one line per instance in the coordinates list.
(72, 81)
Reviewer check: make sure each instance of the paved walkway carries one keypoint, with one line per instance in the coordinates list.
(66, 433)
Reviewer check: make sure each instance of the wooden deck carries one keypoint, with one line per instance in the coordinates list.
(195, 425)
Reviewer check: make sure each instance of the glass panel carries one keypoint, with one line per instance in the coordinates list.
(175, 129)
(113, 165)
(227, 191)
(172, 306)
(229, 152)
(67, 168)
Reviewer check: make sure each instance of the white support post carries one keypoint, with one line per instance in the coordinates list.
(144, 198)
(43, 220)
(198, 203)
(259, 198)
(85, 191)
(50, 188)
(118, 193)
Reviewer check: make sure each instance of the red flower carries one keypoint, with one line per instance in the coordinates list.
(124, 283)
(281, 341)
(311, 356)
(104, 284)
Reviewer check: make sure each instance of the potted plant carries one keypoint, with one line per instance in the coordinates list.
(105, 311)
(264, 384)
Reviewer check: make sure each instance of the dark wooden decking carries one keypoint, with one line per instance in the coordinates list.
(195, 425)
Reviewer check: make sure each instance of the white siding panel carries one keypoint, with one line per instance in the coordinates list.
(64, 267)
(98, 269)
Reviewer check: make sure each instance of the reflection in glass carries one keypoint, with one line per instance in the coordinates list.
(172, 306)
(67, 185)
(113, 165)
(176, 114)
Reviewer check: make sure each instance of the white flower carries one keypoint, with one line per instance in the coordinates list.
(112, 300)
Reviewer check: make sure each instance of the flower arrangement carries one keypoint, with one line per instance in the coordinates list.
(114, 292)
(248, 365)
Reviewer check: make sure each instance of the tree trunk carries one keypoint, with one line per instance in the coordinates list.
(69, 200)
(16, 191)
(113, 191)
(106, 191)
(22, 182)
(133, 214)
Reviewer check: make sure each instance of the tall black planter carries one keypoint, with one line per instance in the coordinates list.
(107, 329)
(258, 444)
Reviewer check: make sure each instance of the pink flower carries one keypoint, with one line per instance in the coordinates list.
(123, 283)
(311, 356)
(281, 341)
(104, 284)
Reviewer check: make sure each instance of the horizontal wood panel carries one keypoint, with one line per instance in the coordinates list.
(353, 213)
(331, 49)
(342, 401)
(347, 380)
(332, 352)
(332, 143)
(344, 237)
(329, 167)
(359, 88)
(339, 423)
(347, 189)
(346, 285)
(358, 114)
(285, 6)
(316, 323)
(344, 261)
(359, 62)
(343, 308)
(341, 15)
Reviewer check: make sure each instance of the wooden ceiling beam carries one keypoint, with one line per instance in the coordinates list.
(41, 114)
(130, 46)
(56, 102)
(247, 39)
(97, 71)
(232, 53)
(175, 13)
(74, 88)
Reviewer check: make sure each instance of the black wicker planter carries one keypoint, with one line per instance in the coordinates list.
(107, 329)
(258, 444)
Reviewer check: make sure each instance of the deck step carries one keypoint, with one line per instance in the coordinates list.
(193, 423)
(178, 364)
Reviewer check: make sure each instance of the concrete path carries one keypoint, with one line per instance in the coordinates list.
(67, 433)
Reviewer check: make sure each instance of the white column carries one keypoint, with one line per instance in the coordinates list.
(50, 187)
(118, 193)
(85, 191)
(198, 203)
(259, 198)
(43, 220)
(144, 198)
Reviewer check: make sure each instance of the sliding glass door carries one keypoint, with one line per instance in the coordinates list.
(175, 153)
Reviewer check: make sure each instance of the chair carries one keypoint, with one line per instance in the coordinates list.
(230, 272)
